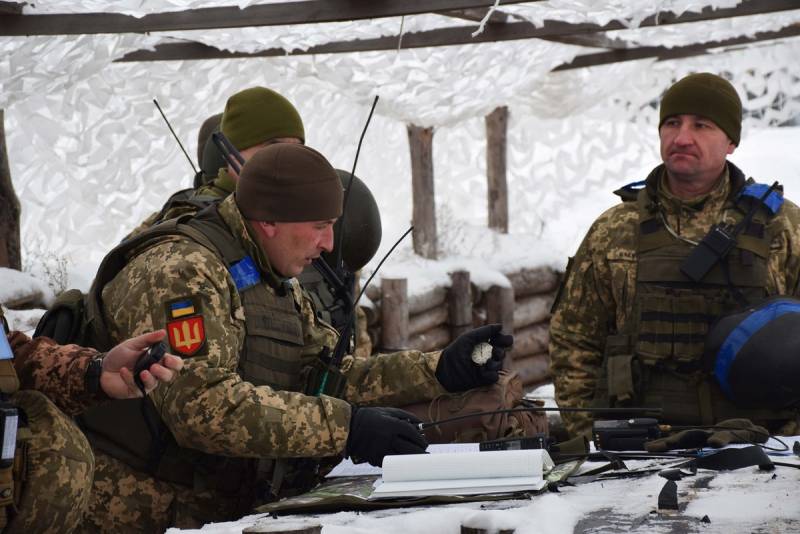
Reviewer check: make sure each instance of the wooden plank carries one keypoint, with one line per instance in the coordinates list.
(272, 14)
(460, 301)
(457, 35)
(394, 314)
(10, 255)
(497, 186)
(433, 339)
(425, 301)
(500, 307)
(11, 8)
(532, 310)
(420, 142)
(428, 319)
(532, 281)
(663, 53)
(531, 340)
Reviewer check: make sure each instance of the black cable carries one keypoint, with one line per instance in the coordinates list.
(653, 411)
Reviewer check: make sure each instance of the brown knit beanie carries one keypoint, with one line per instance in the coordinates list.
(259, 114)
(287, 182)
(707, 95)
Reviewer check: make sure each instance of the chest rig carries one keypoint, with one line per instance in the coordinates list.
(656, 358)
(277, 352)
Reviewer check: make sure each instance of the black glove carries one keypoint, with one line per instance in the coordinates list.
(741, 431)
(456, 370)
(378, 432)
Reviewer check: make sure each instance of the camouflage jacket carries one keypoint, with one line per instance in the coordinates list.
(599, 292)
(209, 407)
(57, 371)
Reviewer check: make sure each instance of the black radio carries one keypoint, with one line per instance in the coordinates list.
(625, 434)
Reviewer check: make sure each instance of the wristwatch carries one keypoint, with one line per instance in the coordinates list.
(93, 372)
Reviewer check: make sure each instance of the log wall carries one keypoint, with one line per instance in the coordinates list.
(431, 320)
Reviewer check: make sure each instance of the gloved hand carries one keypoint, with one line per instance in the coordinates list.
(377, 432)
(742, 431)
(457, 372)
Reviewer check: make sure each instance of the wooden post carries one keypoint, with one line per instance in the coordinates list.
(9, 210)
(500, 309)
(460, 303)
(497, 193)
(394, 314)
(420, 142)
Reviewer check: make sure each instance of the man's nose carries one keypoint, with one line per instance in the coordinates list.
(684, 136)
(326, 241)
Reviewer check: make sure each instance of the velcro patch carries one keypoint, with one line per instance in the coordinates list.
(185, 327)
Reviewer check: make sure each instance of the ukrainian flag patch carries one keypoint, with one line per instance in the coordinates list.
(181, 308)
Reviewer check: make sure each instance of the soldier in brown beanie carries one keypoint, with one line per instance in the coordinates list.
(248, 419)
(655, 271)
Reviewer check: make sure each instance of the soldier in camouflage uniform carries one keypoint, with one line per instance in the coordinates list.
(629, 325)
(253, 118)
(245, 420)
(48, 486)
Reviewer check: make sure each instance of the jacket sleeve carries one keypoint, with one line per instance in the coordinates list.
(58, 371)
(209, 407)
(584, 313)
(395, 379)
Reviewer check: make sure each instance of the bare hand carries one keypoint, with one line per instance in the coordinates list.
(116, 379)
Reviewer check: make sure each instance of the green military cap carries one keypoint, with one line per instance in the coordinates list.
(259, 114)
(288, 182)
(707, 95)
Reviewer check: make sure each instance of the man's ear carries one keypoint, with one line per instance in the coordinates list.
(269, 228)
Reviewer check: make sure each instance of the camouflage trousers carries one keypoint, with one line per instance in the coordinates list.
(126, 500)
(53, 469)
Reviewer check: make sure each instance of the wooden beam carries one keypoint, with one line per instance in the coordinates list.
(457, 35)
(497, 185)
(394, 314)
(420, 142)
(11, 8)
(9, 210)
(663, 53)
(460, 302)
(272, 14)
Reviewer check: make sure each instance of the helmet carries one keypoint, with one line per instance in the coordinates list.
(754, 354)
(362, 225)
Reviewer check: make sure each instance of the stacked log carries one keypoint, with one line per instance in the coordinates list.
(431, 320)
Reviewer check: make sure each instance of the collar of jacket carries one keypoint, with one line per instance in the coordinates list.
(246, 235)
(224, 182)
(732, 181)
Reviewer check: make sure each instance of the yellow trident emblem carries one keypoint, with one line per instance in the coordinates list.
(189, 337)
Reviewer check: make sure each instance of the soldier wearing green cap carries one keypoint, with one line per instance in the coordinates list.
(655, 271)
(248, 420)
(252, 119)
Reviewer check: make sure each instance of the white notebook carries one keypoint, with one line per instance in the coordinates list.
(471, 473)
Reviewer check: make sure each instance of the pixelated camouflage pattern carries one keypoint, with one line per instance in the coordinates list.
(126, 500)
(54, 470)
(599, 293)
(58, 371)
(209, 407)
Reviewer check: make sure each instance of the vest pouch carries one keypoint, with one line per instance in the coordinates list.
(619, 370)
(274, 343)
(673, 325)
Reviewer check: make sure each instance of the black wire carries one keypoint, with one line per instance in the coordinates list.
(175, 135)
(654, 411)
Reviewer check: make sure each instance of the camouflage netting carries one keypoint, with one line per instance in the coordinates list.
(83, 131)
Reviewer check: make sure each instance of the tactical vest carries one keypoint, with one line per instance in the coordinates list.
(329, 309)
(656, 360)
(273, 354)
